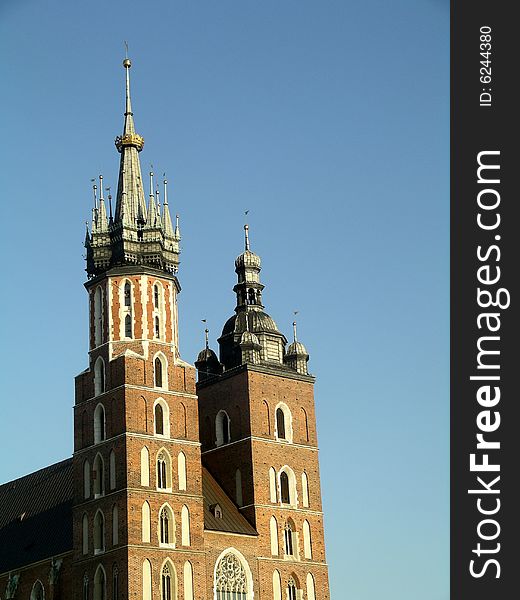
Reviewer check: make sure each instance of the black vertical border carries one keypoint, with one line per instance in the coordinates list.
(475, 129)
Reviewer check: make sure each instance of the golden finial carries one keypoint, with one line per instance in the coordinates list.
(246, 232)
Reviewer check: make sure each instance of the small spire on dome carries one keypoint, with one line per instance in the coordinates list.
(246, 233)
(206, 334)
(294, 331)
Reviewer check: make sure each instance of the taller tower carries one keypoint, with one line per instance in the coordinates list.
(137, 510)
(258, 434)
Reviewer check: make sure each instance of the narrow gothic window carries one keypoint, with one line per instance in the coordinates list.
(222, 428)
(230, 579)
(165, 526)
(159, 420)
(292, 589)
(115, 584)
(128, 326)
(284, 488)
(38, 592)
(127, 294)
(98, 476)
(85, 588)
(289, 539)
(157, 328)
(99, 532)
(166, 583)
(158, 373)
(162, 479)
(280, 423)
(100, 585)
(99, 424)
(156, 296)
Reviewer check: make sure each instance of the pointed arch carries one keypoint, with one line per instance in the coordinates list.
(99, 532)
(99, 476)
(160, 371)
(166, 526)
(115, 583)
(98, 315)
(181, 470)
(86, 480)
(185, 526)
(99, 424)
(99, 376)
(272, 485)
(147, 580)
(287, 486)
(283, 423)
(128, 326)
(145, 522)
(290, 538)
(164, 470)
(307, 542)
(232, 575)
(115, 525)
(273, 530)
(168, 581)
(85, 587)
(277, 585)
(38, 591)
(188, 580)
(84, 533)
(293, 588)
(305, 490)
(311, 588)
(161, 412)
(145, 466)
(238, 488)
(267, 418)
(127, 293)
(112, 469)
(305, 421)
(222, 428)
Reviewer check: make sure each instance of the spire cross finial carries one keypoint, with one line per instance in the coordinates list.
(151, 184)
(127, 64)
(165, 182)
(94, 188)
(246, 232)
(101, 199)
(294, 331)
(206, 334)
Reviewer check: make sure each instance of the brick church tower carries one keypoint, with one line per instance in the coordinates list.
(177, 489)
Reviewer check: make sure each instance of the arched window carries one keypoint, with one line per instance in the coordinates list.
(115, 525)
(287, 486)
(181, 470)
(100, 584)
(292, 591)
(272, 485)
(162, 418)
(168, 582)
(115, 583)
(112, 467)
(231, 578)
(99, 376)
(188, 581)
(128, 326)
(85, 587)
(267, 424)
(86, 480)
(98, 316)
(156, 296)
(145, 522)
(277, 586)
(145, 466)
(280, 424)
(158, 372)
(99, 476)
(84, 532)
(157, 327)
(99, 532)
(305, 490)
(283, 423)
(222, 428)
(185, 526)
(128, 294)
(273, 530)
(147, 580)
(307, 543)
(166, 527)
(284, 488)
(164, 481)
(289, 536)
(311, 591)
(305, 425)
(159, 420)
(238, 487)
(99, 424)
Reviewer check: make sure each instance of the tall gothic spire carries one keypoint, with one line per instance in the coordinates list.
(130, 201)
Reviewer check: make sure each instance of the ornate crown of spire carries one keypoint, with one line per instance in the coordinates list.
(137, 234)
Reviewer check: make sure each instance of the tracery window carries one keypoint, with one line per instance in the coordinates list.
(166, 583)
(291, 588)
(288, 534)
(157, 328)
(127, 294)
(156, 296)
(128, 326)
(230, 579)
(85, 587)
(163, 471)
(164, 525)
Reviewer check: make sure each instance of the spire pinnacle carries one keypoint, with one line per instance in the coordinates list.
(294, 331)
(206, 334)
(167, 220)
(246, 233)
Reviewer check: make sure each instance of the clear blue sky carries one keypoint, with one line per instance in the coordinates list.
(329, 122)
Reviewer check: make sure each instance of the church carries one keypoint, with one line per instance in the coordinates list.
(186, 482)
